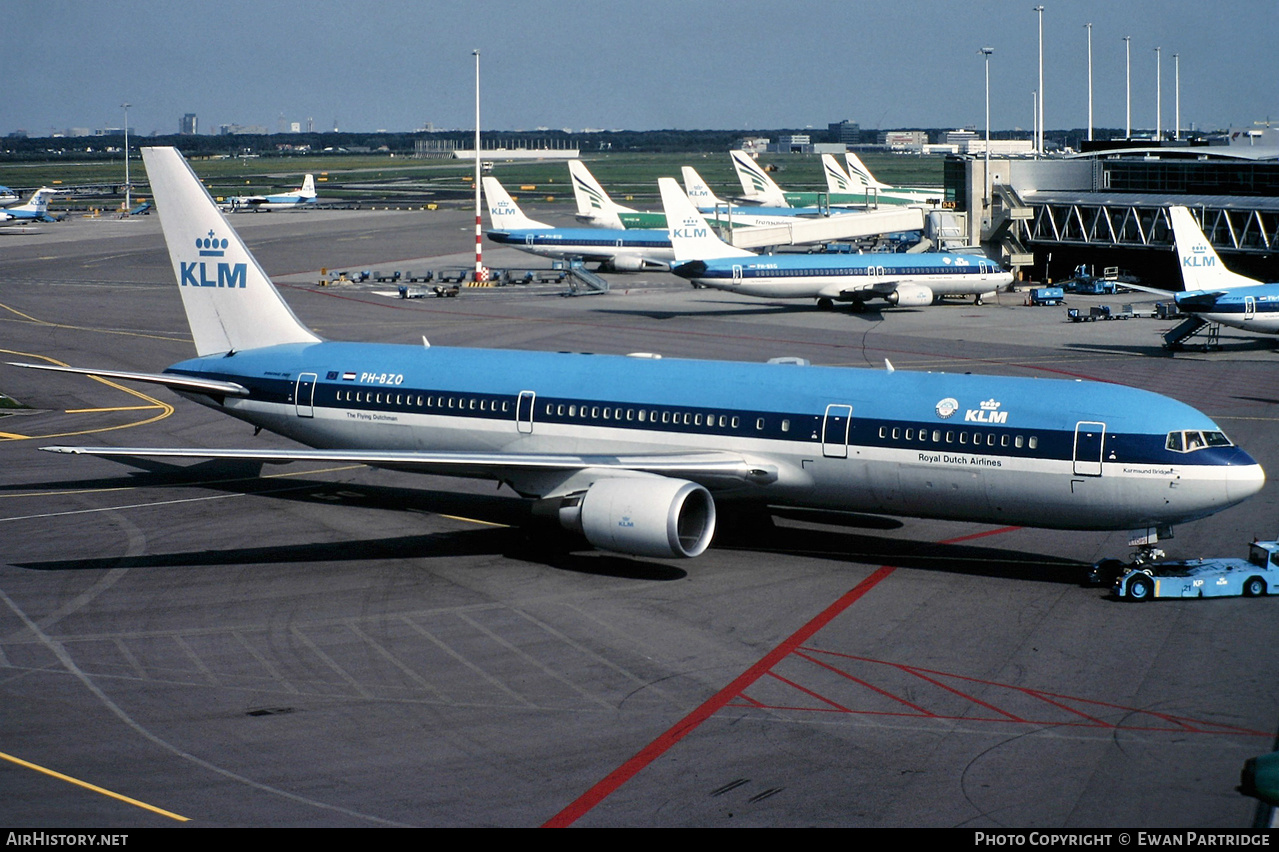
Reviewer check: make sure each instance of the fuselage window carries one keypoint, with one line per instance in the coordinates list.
(572, 411)
(910, 434)
(936, 436)
(1033, 443)
(697, 419)
(759, 423)
(642, 415)
(379, 399)
(883, 431)
(963, 437)
(896, 433)
(785, 425)
(950, 437)
(733, 423)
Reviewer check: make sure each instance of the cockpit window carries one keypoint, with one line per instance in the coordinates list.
(1188, 441)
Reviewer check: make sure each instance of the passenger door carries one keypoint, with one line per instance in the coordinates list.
(835, 426)
(304, 395)
(1090, 439)
(524, 412)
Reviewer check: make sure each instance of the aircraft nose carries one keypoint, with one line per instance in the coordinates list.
(1244, 480)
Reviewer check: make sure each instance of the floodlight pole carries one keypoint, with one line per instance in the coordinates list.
(1176, 64)
(1088, 27)
(127, 194)
(1159, 95)
(1127, 87)
(986, 52)
(1039, 110)
(479, 249)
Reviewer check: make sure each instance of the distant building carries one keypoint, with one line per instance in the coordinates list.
(754, 145)
(241, 129)
(846, 132)
(189, 125)
(904, 140)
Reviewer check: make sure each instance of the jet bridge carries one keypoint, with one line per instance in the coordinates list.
(827, 229)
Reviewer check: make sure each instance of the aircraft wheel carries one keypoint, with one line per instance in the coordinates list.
(977, 300)
(825, 304)
(1140, 589)
(858, 306)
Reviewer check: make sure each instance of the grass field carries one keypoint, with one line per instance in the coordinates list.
(626, 176)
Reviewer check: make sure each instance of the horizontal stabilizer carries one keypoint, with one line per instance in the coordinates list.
(170, 380)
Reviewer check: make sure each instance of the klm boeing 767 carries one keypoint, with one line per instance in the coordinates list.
(638, 453)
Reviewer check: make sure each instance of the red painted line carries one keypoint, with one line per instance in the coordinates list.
(793, 685)
(864, 683)
(689, 723)
(628, 770)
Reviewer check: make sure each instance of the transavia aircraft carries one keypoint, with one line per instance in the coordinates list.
(907, 280)
(294, 200)
(619, 249)
(637, 452)
(1214, 293)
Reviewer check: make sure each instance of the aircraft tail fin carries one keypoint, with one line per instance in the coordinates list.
(39, 203)
(593, 203)
(231, 304)
(504, 213)
(857, 171)
(691, 237)
(837, 181)
(699, 193)
(757, 186)
(308, 187)
(1201, 268)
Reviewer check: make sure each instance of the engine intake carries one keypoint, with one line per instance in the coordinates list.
(643, 516)
(910, 296)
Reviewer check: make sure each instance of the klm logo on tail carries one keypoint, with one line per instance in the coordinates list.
(1199, 257)
(690, 229)
(196, 273)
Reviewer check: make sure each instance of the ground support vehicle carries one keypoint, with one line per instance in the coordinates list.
(1254, 577)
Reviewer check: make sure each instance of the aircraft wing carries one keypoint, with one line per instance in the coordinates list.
(700, 467)
(170, 380)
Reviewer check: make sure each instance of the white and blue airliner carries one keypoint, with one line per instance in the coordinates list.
(618, 249)
(1213, 292)
(906, 280)
(639, 453)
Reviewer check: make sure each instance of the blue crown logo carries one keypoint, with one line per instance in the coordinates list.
(210, 246)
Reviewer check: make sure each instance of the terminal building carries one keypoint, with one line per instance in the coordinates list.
(1043, 217)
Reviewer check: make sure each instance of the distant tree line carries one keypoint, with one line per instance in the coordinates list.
(17, 147)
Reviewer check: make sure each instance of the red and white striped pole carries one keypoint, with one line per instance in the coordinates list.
(480, 276)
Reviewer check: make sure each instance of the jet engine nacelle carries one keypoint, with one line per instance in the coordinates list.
(643, 516)
(910, 296)
(624, 263)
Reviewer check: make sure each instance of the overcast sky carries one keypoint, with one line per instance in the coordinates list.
(614, 64)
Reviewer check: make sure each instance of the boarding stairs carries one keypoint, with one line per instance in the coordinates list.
(1176, 337)
(583, 282)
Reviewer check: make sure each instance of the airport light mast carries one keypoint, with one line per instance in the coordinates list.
(1088, 27)
(479, 234)
(1176, 65)
(986, 52)
(1159, 95)
(128, 204)
(1127, 87)
(1039, 109)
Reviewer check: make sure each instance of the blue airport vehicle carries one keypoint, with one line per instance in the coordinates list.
(1046, 296)
(1254, 577)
